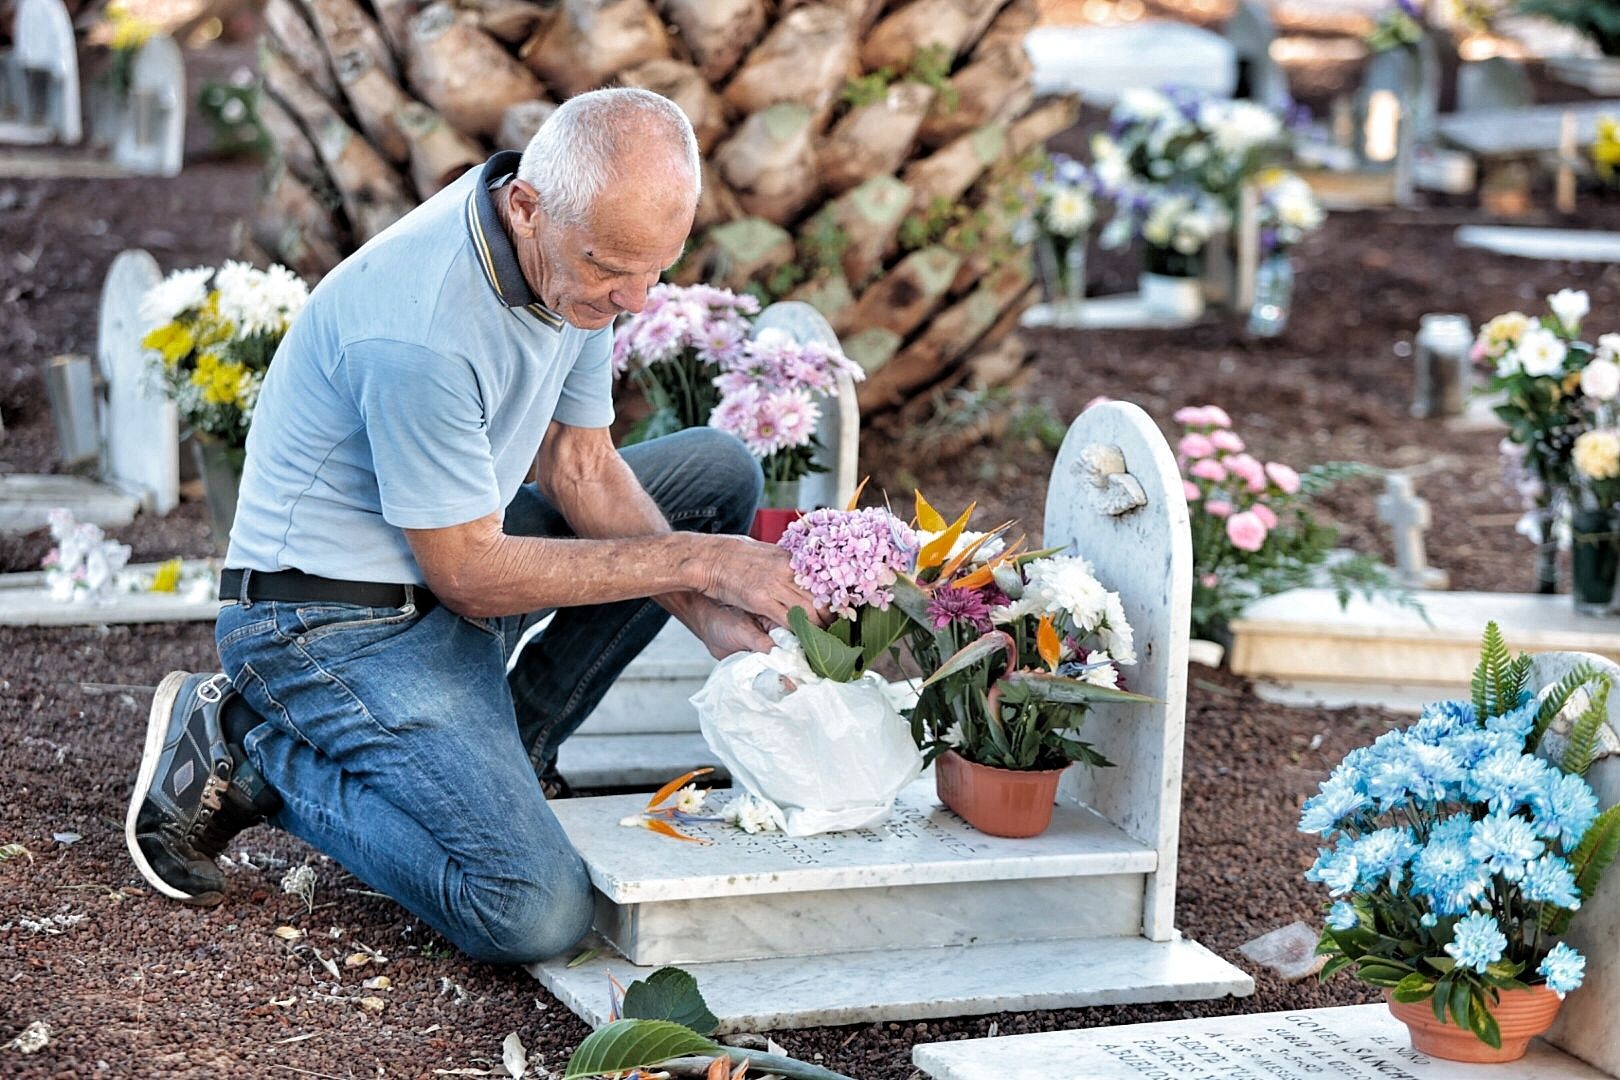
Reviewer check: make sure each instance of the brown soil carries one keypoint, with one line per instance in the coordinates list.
(133, 985)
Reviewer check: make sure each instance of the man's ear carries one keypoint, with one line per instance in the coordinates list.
(524, 204)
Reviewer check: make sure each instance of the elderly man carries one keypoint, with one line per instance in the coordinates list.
(388, 554)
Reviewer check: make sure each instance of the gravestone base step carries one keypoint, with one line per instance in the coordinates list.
(918, 984)
(1307, 694)
(26, 502)
(1125, 311)
(1353, 1042)
(645, 760)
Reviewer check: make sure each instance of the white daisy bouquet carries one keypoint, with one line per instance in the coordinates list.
(1460, 848)
(1014, 647)
(214, 334)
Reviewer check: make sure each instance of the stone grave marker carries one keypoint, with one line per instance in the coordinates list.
(1353, 1042)
(1098, 62)
(1499, 82)
(1400, 508)
(140, 426)
(1499, 134)
(152, 139)
(645, 730)
(1567, 245)
(45, 58)
(24, 601)
(1259, 78)
(1289, 950)
(922, 916)
(27, 501)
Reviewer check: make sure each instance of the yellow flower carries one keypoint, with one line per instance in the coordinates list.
(1508, 327)
(167, 578)
(126, 30)
(220, 380)
(1606, 148)
(1597, 455)
(173, 340)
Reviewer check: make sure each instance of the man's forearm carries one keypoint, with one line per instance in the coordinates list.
(517, 574)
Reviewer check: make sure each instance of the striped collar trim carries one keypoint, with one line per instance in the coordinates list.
(495, 255)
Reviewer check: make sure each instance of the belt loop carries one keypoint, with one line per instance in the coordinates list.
(242, 590)
(410, 598)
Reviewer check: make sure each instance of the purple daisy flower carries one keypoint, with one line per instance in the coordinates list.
(952, 605)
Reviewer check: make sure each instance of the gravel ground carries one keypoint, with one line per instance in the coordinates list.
(134, 986)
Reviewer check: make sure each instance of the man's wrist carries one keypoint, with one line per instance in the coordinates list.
(694, 565)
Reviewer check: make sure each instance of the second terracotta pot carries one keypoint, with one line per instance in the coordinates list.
(771, 522)
(1521, 1014)
(1001, 802)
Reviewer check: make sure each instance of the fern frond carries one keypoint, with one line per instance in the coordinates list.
(1557, 697)
(1490, 677)
(1480, 685)
(1518, 680)
(1595, 854)
(1583, 736)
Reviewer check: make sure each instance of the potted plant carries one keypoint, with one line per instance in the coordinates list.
(1288, 210)
(1535, 364)
(214, 335)
(1254, 532)
(1014, 647)
(1459, 851)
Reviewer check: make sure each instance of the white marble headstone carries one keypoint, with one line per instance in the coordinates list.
(140, 429)
(840, 429)
(45, 46)
(1499, 82)
(1260, 78)
(1354, 1042)
(152, 139)
(1588, 1025)
(1098, 62)
(1116, 495)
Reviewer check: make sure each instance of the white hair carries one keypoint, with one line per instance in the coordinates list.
(576, 153)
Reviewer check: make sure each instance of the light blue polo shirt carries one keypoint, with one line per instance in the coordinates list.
(411, 393)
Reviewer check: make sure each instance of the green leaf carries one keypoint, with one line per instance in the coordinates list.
(1019, 687)
(1557, 697)
(910, 598)
(634, 1044)
(1334, 966)
(1462, 996)
(1380, 972)
(1482, 1023)
(1442, 964)
(978, 649)
(1583, 735)
(880, 629)
(670, 994)
(1415, 987)
(826, 655)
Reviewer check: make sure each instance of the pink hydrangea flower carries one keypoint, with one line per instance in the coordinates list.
(1246, 531)
(1227, 441)
(1247, 469)
(1193, 493)
(1265, 514)
(1286, 479)
(1217, 508)
(1209, 469)
(1194, 446)
(848, 559)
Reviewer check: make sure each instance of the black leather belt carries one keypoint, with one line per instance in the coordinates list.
(295, 586)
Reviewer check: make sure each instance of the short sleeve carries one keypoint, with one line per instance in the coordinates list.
(587, 393)
(424, 419)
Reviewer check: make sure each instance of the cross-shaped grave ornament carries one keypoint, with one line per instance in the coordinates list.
(1400, 508)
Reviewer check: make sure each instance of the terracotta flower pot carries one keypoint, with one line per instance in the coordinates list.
(771, 522)
(1001, 802)
(1521, 1014)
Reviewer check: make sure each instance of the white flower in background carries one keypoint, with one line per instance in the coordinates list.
(1066, 585)
(1570, 306)
(1540, 352)
(1238, 127)
(689, 800)
(1608, 347)
(1030, 603)
(84, 565)
(1116, 633)
(1600, 379)
(180, 292)
(1109, 163)
(1070, 211)
(1597, 454)
(753, 814)
(1143, 104)
(259, 301)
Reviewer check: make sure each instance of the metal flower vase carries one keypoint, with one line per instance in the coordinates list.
(1594, 555)
(220, 466)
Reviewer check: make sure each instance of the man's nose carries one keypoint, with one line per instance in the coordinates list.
(632, 295)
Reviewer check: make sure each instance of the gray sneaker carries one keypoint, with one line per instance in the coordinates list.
(194, 791)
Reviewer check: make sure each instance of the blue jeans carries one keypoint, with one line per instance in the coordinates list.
(402, 748)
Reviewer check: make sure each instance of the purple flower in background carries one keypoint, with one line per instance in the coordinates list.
(1409, 8)
(847, 559)
(952, 605)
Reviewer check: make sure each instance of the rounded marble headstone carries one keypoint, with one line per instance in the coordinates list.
(839, 430)
(139, 427)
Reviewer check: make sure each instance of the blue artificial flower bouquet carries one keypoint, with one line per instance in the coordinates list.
(1458, 854)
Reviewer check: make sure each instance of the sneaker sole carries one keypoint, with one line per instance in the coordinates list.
(157, 726)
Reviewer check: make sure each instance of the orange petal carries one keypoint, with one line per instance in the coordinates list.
(1047, 643)
(742, 1070)
(719, 1068)
(985, 575)
(967, 553)
(933, 554)
(927, 517)
(664, 828)
(855, 499)
(675, 785)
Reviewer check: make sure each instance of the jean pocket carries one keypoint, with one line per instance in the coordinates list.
(353, 623)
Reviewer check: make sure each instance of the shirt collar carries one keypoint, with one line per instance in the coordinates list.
(494, 248)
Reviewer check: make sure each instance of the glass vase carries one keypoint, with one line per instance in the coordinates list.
(1594, 554)
(1061, 262)
(1273, 295)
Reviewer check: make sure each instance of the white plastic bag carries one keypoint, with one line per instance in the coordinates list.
(832, 755)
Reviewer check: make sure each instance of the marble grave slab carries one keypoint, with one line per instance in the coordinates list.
(26, 502)
(1353, 1042)
(1499, 133)
(1573, 245)
(24, 602)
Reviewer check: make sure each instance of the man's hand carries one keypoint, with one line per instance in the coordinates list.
(741, 573)
(726, 630)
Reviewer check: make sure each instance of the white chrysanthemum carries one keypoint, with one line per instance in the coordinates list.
(1600, 379)
(1065, 585)
(753, 814)
(180, 292)
(1106, 675)
(1070, 212)
(1140, 103)
(1116, 633)
(1108, 162)
(257, 301)
(1608, 347)
(1239, 127)
(1540, 352)
(1570, 306)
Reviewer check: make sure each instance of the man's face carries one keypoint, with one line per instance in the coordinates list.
(591, 273)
